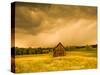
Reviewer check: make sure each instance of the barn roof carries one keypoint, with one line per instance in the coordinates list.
(59, 45)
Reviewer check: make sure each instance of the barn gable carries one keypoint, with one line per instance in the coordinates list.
(59, 50)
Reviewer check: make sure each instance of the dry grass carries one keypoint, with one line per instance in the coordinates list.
(45, 62)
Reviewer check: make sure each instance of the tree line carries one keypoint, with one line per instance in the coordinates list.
(27, 51)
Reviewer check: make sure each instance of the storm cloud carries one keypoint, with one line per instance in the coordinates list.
(45, 25)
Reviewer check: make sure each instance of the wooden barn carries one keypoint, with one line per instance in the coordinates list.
(59, 50)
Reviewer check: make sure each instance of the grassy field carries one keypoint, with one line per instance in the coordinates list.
(74, 60)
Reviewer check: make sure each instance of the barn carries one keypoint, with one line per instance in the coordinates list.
(59, 50)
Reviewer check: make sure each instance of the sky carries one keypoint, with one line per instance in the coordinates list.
(45, 25)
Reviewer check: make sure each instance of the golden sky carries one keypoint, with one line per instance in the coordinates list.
(45, 25)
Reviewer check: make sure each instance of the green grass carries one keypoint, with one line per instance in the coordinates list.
(74, 60)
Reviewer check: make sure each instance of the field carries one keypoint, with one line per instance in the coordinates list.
(74, 60)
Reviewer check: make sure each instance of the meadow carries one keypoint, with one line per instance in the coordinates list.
(74, 60)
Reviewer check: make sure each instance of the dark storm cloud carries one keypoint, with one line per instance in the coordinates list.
(72, 11)
(29, 17)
